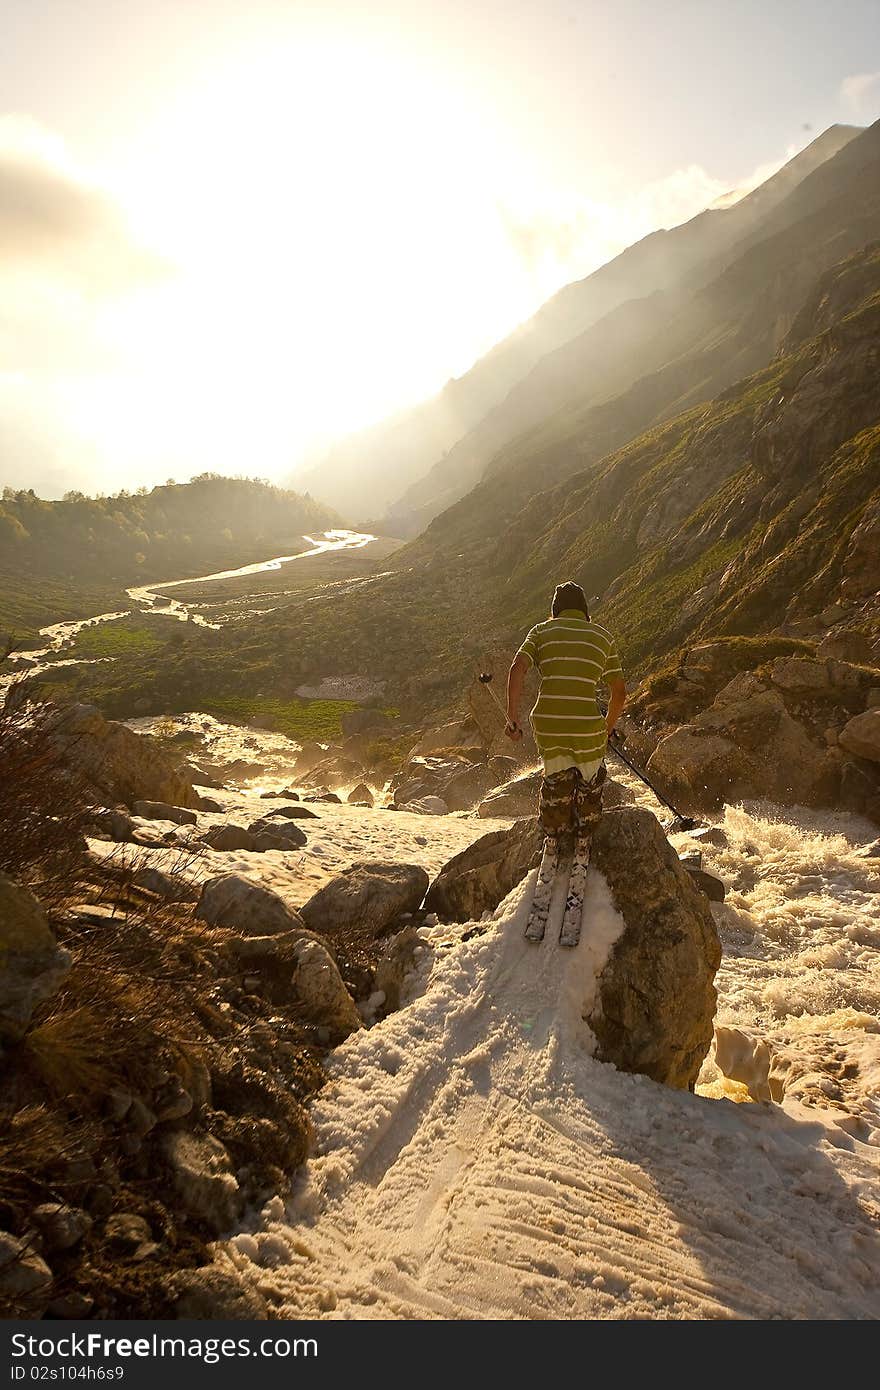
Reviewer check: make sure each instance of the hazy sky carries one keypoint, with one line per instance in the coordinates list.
(230, 229)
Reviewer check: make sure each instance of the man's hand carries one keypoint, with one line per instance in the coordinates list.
(513, 730)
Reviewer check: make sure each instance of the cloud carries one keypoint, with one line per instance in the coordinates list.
(54, 223)
(861, 90)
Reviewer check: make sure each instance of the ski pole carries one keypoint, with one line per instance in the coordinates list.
(484, 677)
(681, 822)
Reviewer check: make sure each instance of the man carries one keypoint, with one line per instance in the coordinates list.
(572, 654)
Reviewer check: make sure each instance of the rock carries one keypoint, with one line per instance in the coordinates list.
(229, 900)
(25, 1278)
(118, 764)
(752, 748)
(71, 1305)
(743, 684)
(116, 824)
(360, 795)
(161, 810)
(321, 991)
(844, 676)
(426, 806)
(61, 1226)
(861, 735)
(323, 794)
(461, 736)
(308, 757)
(395, 963)
(420, 777)
(211, 1292)
(207, 803)
(361, 721)
(290, 813)
(169, 886)
(289, 835)
(518, 797)
(471, 782)
(367, 896)
(229, 837)
(32, 964)
(707, 883)
(202, 778)
(799, 675)
(274, 796)
(656, 999)
(203, 1178)
(334, 772)
(616, 794)
(476, 880)
(128, 1233)
(846, 644)
(710, 835)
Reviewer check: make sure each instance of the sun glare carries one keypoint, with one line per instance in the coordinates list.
(333, 217)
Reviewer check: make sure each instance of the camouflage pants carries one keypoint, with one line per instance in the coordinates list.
(570, 805)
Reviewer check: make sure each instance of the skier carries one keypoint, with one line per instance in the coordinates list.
(572, 654)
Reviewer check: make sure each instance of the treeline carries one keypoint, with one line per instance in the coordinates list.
(175, 529)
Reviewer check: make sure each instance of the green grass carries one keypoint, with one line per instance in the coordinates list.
(303, 720)
(121, 638)
(28, 603)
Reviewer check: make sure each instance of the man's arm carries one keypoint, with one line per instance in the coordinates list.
(516, 678)
(616, 703)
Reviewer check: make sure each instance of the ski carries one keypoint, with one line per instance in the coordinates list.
(570, 931)
(540, 909)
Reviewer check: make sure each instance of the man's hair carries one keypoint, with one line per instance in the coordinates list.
(568, 595)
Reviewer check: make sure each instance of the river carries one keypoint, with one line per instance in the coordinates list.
(151, 598)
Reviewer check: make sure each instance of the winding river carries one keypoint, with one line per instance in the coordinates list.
(151, 598)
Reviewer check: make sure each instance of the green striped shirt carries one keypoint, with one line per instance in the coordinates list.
(572, 654)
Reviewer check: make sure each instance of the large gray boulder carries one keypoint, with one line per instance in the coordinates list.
(229, 900)
(321, 991)
(288, 835)
(476, 880)
(656, 998)
(32, 964)
(117, 764)
(228, 837)
(461, 736)
(366, 896)
(473, 781)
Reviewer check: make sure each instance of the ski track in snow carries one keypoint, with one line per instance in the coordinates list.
(472, 1159)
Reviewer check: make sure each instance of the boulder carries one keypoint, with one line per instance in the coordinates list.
(616, 794)
(25, 1278)
(421, 777)
(367, 896)
(470, 783)
(321, 991)
(201, 1170)
(476, 880)
(799, 676)
(290, 813)
(749, 748)
(229, 837)
(518, 797)
(60, 1225)
(162, 810)
(334, 772)
(707, 883)
(169, 886)
(360, 795)
(362, 721)
(32, 964)
(655, 1000)
(229, 900)
(461, 736)
(323, 794)
(288, 835)
(426, 806)
(308, 757)
(118, 764)
(395, 963)
(846, 644)
(116, 824)
(211, 1292)
(861, 735)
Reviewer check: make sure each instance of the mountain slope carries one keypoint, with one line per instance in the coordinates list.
(370, 470)
(727, 329)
